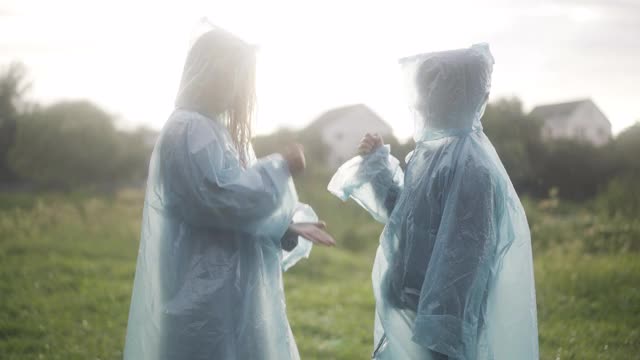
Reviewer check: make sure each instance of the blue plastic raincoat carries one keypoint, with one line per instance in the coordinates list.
(453, 275)
(208, 281)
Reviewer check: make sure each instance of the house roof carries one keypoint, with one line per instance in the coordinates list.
(557, 111)
(335, 114)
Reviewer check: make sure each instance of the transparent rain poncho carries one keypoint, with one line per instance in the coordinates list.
(208, 282)
(453, 275)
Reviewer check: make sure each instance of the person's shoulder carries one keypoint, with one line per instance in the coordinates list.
(201, 131)
(475, 168)
(191, 119)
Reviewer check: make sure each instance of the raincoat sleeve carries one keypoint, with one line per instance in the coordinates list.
(219, 192)
(453, 295)
(374, 181)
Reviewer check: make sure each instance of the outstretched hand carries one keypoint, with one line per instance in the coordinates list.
(369, 143)
(314, 232)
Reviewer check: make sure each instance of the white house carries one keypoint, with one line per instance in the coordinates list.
(341, 130)
(579, 120)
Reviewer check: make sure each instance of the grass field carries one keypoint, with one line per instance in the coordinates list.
(67, 264)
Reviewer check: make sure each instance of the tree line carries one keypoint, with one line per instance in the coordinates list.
(64, 145)
(571, 169)
(76, 144)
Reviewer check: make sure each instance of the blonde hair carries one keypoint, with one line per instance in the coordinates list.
(218, 63)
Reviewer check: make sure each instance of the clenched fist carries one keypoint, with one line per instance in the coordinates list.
(369, 143)
(294, 155)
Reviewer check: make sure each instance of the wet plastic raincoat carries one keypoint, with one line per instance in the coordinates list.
(208, 282)
(453, 275)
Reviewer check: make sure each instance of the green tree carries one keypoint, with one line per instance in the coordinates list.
(72, 144)
(627, 150)
(622, 193)
(516, 138)
(13, 86)
(578, 169)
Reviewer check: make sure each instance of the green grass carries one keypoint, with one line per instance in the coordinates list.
(67, 264)
(588, 306)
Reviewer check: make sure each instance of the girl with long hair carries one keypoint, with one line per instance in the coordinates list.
(208, 281)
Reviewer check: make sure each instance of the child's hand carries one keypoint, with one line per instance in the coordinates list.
(294, 155)
(369, 143)
(314, 232)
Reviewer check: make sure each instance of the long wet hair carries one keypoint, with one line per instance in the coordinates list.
(218, 81)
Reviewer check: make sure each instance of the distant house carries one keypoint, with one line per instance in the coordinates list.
(342, 128)
(578, 120)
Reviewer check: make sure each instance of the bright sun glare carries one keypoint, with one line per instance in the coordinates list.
(312, 56)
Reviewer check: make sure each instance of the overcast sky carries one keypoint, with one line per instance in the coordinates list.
(127, 56)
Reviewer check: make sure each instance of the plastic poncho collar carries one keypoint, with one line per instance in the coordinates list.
(453, 274)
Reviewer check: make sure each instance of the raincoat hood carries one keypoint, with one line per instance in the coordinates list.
(448, 90)
(213, 72)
